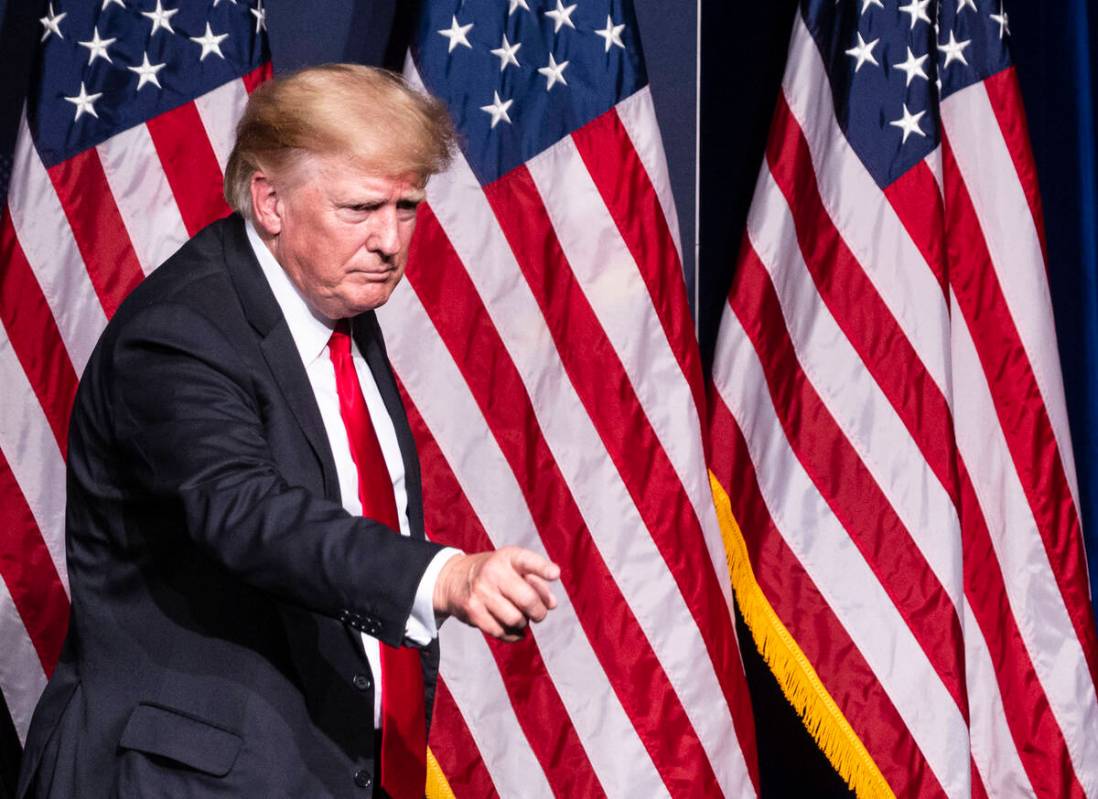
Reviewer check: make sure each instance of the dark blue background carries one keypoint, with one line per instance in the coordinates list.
(743, 53)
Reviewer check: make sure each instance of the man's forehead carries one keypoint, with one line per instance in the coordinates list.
(342, 174)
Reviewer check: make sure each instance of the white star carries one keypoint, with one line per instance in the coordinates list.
(913, 66)
(516, 4)
(1001, 18)
(97, 48)
(498, 109)
(867, 3)
(52, 23)
(963, 4)
(561, 16)
(161, 18)
(612, 34)
(506, 53)
(954, 50)
(260, 15)
(456, 34)
(554, 73)
(863, 52)
(106, 3)
(909, 123)
(917, 10)
(211, 43)
(146, 73)
(84, 102)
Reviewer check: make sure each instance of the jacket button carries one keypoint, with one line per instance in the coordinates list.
(363, 779)
(362, 682)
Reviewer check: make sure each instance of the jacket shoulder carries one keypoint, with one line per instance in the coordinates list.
(194, 274)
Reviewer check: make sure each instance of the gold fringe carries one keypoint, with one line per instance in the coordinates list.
(796, 676)
(438, 787)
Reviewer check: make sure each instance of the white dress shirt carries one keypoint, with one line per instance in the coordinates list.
(311, 334)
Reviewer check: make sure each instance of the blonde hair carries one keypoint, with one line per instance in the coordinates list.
(370, 115)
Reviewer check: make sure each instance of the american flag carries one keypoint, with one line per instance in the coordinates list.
(127, 127)
(887, 416)
(545, 347)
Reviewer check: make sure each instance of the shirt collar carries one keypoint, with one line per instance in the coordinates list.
(309, 330)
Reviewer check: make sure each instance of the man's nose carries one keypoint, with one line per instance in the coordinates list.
(384, 232)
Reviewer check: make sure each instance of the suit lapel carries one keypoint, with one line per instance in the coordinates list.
(367, 333)
(277, 345)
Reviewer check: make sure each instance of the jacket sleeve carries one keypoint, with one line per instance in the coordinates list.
(185, 414)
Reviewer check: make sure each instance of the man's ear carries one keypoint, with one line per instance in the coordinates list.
(266, 204)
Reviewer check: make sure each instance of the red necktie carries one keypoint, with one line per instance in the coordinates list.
(403, 720)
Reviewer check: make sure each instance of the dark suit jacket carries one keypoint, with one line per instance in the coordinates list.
(218, 586)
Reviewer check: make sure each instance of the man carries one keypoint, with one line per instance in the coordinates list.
(250, 577)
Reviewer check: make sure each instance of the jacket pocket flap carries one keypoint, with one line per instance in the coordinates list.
(160, 731)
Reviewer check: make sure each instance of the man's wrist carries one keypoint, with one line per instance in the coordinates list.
(423, 622)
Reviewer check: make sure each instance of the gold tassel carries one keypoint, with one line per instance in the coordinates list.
(437, 785)
(796, 676)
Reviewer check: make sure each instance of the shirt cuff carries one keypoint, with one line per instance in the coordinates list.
(422, 628)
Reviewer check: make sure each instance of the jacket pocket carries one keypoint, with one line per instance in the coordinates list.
(167, 733)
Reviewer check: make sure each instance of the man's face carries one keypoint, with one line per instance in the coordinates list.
(343, 233)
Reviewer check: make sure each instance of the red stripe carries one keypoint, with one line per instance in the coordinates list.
(28, 321)
(455, 308)
(846, 484)
(1017, 398)
(791, 592)
(917, 200)
(597, 374)
(190, 165)
(537, 705)
(101, 236)
(1025, 705)
(262, 73)
(1006, 102)
(635, 208)
(456, 751)
(29, 573)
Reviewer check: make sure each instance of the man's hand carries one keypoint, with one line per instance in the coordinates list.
(497, 592)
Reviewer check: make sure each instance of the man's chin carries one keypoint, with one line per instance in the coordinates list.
(367, 299)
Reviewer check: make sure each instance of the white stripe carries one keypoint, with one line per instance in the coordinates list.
(837, 568)
(612, 282)
(608, 510)
(30, 448)
(867, 418)
(22, 680)
(448, 408)
(993, 749)
(864, 218)
(934, 164)
(1031, 588)
(220, 110)
(638, 116)
(143, 196)
(1006, 220)
(474, 681)
(47, 241)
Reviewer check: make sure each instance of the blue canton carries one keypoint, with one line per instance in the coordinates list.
(519, 75)
(82, 99)
(886, 93)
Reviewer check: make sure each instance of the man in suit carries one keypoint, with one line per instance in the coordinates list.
(254, 602)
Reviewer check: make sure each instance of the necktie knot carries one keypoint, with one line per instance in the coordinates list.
(340, 342)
